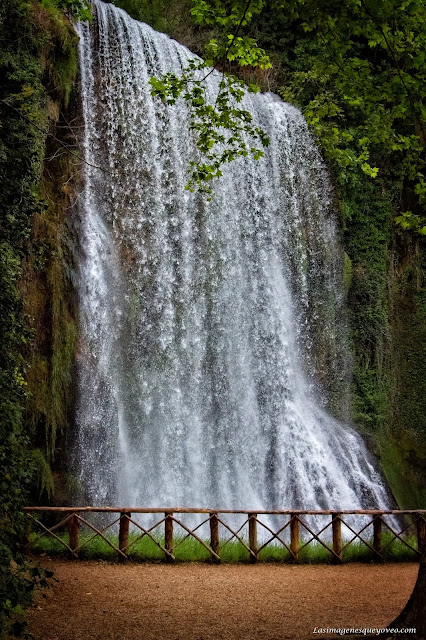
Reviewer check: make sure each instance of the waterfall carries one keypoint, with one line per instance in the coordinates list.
(212, 333)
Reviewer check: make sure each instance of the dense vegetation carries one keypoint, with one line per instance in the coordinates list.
(38, 68)
(357, 71)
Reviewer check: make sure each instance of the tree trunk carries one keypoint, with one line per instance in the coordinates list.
(414, 612)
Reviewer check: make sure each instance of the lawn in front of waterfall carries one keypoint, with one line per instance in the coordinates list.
(190, 550)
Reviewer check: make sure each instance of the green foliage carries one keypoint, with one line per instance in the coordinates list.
(163, 15)
(16, 589)
(361, 86)
(219, 128)
(408, 220)
(226, 13)
(43, 471)
(20, 156)
(405, 474)
(359, 89)
(78, 9)
(30, 36)
(367, 239)
(357, 70)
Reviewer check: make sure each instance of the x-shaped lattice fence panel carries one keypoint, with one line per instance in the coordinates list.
(147, 532)
(235, 534)
(100, 533)
(49, 531)
(276, 536)
(398, 536)
(315, 536)
(358, 535)
(191, 532)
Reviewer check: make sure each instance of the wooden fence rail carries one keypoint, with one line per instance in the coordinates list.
(298, 526)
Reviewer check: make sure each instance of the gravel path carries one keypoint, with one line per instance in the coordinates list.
(102, 601)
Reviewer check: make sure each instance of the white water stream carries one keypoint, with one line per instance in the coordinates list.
(211, 333)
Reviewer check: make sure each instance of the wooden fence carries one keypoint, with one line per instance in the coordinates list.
(291, 535)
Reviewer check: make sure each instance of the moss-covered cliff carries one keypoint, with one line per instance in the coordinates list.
(386, 303)
(38, 66)
(403, 441)
(46, 284)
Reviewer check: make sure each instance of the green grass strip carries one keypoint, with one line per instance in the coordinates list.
(189, 550)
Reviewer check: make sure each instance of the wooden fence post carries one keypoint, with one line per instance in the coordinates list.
(73, 530)
(214, 535)
(168, 535)
(294, 536)
(123, 535)
(421, 533)
(336, 525)
(377, 535)
(253, 536)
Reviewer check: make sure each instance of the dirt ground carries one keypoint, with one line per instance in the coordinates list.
(102, 601)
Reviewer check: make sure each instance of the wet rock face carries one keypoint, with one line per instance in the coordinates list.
(212, 333)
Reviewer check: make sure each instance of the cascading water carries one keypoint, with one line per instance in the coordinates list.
(208, 330)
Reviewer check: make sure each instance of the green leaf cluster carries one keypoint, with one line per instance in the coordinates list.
(219, 128)
(357, 70)
(408, 220)
(78, 9)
